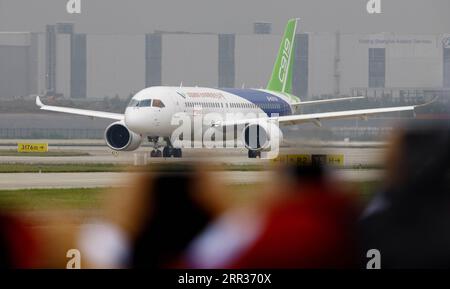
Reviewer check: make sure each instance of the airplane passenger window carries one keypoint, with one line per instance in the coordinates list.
(158, 103)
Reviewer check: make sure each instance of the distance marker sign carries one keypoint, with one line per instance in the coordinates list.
(32, 148)
(306, 160)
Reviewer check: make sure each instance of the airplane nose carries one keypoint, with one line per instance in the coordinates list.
(135, 120)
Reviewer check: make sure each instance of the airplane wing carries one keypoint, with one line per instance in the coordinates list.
(317, 117)
(91, 113)
(327, 100)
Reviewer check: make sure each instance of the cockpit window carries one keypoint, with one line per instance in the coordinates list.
(158, 103)
(133, 103)
(145, 103)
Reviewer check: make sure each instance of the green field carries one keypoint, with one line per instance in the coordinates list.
(106, 167)
(51, 199)
(59, 168)
(81, 199)
(89, 168)
(15, 153)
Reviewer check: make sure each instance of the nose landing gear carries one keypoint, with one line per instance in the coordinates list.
(168, 150)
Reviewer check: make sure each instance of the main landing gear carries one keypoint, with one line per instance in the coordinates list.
(172, 152)
(167, 151)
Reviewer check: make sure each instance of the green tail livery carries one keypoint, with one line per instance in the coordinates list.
(281, 80)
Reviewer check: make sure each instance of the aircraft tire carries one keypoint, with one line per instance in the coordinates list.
(177, 153)
(167, 152)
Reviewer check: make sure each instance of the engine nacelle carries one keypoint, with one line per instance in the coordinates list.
(119, 138)
(261, 136)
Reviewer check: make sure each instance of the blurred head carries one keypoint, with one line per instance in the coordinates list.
(171, 216)
(419, 156)
(409, 221)
(307, 173)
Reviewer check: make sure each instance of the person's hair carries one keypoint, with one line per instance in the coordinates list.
(174, 218)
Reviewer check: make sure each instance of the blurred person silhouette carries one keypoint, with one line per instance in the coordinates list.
(312, 226)
(151, 223)
(176, 218)
(409, 222)
(18, 245)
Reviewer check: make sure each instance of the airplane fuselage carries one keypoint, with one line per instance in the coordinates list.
(151, 110)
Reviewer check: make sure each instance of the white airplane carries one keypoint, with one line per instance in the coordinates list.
(150, 112)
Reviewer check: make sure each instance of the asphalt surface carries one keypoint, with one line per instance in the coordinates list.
(355, 155)
(94, 180)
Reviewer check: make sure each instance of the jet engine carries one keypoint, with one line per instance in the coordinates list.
(119, 138)
(262, 136)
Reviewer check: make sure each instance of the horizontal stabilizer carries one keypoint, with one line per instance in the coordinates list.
(327, 100)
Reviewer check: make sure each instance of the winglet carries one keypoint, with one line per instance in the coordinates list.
(39, 102)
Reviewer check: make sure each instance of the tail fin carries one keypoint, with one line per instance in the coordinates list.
(281, 80)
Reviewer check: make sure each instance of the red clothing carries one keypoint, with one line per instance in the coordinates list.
(314, 229)
(21, 249)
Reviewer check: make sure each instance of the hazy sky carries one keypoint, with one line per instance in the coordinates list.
(142, 16)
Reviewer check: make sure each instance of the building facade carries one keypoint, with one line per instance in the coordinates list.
(94, 66)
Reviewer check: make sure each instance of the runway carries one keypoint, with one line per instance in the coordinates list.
(93, 180)
(98, 180)
(355, 154)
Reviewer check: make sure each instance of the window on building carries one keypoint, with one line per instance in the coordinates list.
(447, 67)
(377, 67)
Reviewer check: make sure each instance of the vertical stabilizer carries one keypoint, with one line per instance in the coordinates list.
(281, 79)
